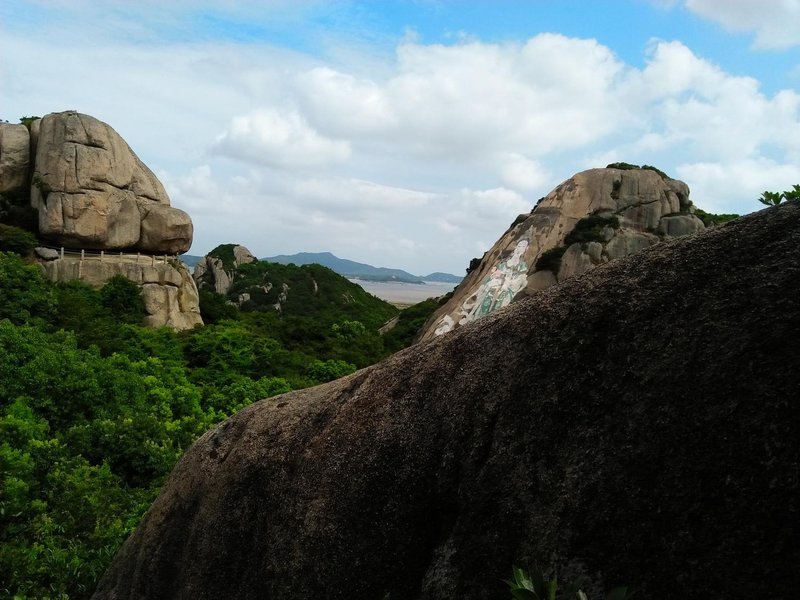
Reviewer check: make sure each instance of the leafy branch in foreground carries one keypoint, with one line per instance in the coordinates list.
(536, 586)
(775, 198)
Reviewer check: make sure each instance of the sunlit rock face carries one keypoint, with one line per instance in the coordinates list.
(92, 191)
(89, 191)
(638, 423)
(14, 157)
(168, 289)
(592, 218)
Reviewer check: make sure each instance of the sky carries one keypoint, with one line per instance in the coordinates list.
(410, 134)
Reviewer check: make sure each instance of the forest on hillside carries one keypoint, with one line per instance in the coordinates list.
(95, 409)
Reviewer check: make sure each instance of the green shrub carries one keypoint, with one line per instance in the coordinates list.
(322, 371)
(550, 260)
(623, 166)
(14, 239)
(224, 252)
(590, 229)
(775, 198)
(710, 219)
(630, 167)
(215, 308)
(474, 264)
(27, 121)
(25, 296)
(123, 298)
(663, 175)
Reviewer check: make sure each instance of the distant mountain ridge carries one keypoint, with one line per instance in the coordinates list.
(358, 270)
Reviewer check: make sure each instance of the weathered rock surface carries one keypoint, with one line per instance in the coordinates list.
(211, 272)
(92, 191)
(14, 157)
(639, 420)
(169, 292)
(610, 213)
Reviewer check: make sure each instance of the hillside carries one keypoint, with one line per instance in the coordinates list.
(635, 424)
(95, 409)
(357, 270)
(309, 290)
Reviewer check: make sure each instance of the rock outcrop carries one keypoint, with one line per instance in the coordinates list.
(92, 191)
(212, 272)
(169, 292)
(638, 422)
(89, 191)
(593, 217)
(14, 157)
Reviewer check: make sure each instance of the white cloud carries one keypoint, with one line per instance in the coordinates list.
(418, 159)
(736, 186)
(275, 138)
(775, 23)
(521, 173)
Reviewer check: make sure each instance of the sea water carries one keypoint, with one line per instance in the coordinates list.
(405, 293)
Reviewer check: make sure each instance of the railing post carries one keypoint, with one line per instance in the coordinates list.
(102, 255)
(81, 254)
(62, 252)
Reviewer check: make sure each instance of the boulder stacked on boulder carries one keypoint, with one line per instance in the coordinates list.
(92, 191)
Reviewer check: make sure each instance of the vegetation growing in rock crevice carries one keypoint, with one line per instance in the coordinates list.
(550, 260)
(224, 252)
(590, 229)
(630, 167)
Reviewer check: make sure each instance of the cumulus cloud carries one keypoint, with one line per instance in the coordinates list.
(775, 23)
(715, 184)
(280, 139)
(447, 145)
(417, 158)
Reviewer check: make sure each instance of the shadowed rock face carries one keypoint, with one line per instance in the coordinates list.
(640, 420)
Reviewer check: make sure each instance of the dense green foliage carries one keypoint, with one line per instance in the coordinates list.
(630, 167)
(16, 210)
(590, 229)
(27, 121)
(710, 219)
(96, 409)
(410, 322)
(774, 198)
(15, 239)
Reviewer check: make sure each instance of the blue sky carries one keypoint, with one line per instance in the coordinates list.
(409, 134)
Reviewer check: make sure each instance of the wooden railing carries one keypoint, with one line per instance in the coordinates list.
(101, 255)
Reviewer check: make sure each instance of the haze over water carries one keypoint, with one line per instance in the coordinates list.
(405, 293)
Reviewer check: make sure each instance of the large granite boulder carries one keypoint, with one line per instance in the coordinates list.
(14, 157)
(593, 217)
(92, 191)
(639, 422)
